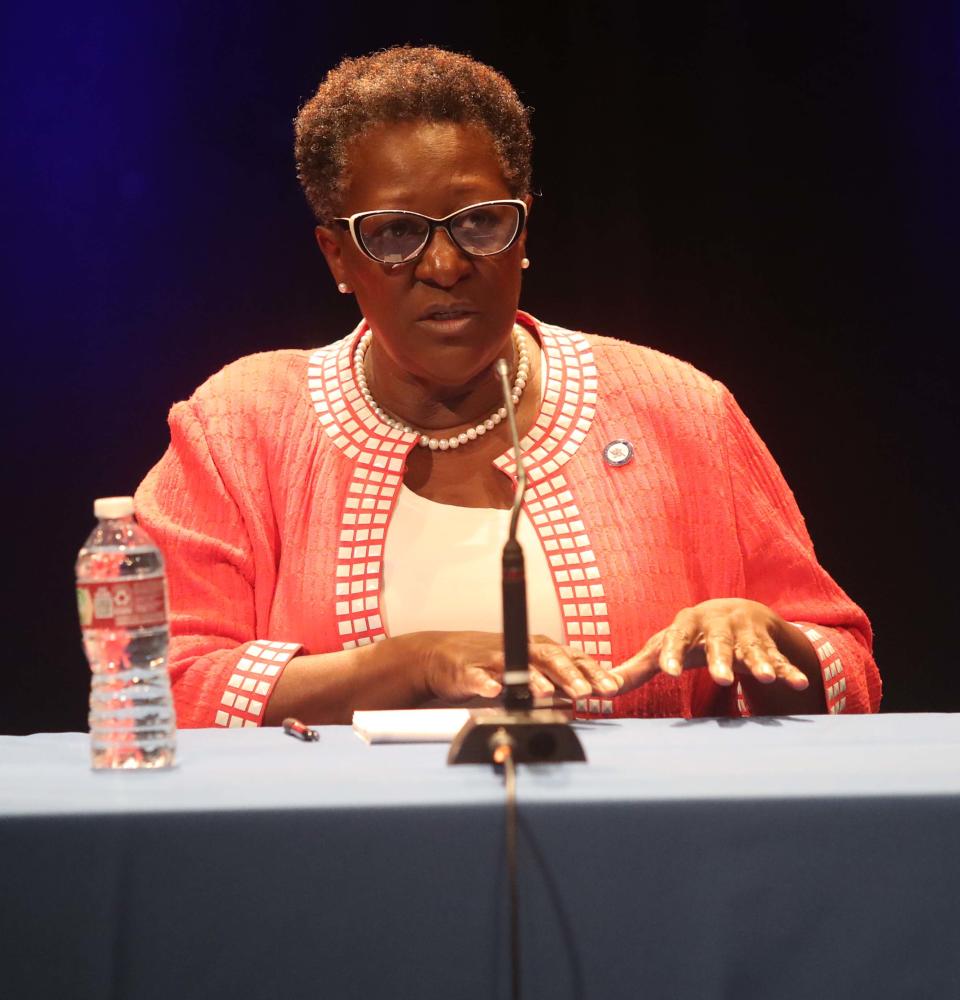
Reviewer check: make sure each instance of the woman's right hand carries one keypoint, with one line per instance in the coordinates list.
(458, 666)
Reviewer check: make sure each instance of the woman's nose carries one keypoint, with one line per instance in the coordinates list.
(443, 263)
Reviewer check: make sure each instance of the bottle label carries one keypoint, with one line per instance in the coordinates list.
(127, 603)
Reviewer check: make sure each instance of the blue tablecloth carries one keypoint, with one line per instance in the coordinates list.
(776, 858)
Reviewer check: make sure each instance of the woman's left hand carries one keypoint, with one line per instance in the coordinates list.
(731, 637)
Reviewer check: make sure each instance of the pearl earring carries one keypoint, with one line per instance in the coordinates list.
(343, 288)
(525, 263)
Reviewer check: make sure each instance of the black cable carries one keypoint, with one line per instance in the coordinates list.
(511, 788)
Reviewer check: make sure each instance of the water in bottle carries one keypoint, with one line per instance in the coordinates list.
(121, 593)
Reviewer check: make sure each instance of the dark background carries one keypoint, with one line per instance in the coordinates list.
(768, 193)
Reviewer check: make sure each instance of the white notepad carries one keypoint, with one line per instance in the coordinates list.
(417, 725)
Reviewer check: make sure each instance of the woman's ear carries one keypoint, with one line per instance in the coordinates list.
(332, 249)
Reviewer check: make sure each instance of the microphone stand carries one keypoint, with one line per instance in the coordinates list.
(530, 735)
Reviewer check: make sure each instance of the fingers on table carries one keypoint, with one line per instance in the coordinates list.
(478, 681)
(677, 641)
(574, 671)
(640, 667)
(758, 652)
(602, 681)
(540, 686)
(722, 641)
(719, 644)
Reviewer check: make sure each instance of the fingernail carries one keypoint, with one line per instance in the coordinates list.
(581, 686)
(673, 667)
(609, 684)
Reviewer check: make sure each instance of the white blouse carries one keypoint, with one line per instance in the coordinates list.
(441, 570)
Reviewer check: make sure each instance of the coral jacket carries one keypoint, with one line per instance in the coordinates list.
(272, 503)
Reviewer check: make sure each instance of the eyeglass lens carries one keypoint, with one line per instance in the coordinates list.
(481, 230)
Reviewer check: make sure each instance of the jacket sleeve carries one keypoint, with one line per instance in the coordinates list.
(222, 672)
(780, 569)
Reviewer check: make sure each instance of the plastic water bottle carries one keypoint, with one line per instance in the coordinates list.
(122, 598)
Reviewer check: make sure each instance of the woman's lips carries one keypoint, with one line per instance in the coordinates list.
(447, 320)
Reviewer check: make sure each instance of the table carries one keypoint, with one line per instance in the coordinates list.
(795, 857)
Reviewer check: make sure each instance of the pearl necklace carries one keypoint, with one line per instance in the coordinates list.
(443, 444)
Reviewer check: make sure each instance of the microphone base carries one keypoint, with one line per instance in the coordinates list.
(540, 736)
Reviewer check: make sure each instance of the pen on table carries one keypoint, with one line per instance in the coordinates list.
(298, 729)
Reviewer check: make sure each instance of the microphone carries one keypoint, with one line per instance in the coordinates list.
(516, 660)
(528, 735)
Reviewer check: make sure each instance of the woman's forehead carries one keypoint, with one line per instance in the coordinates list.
(411, 164)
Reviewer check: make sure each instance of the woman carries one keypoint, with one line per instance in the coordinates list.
(332, 520)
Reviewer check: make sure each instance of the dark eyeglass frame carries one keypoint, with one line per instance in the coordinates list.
(351, 223)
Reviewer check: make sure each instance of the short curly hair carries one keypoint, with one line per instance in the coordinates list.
(400, 84)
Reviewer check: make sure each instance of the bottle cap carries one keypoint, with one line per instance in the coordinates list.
(109, 507)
